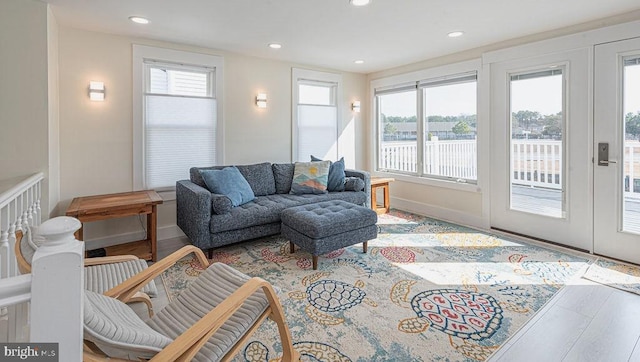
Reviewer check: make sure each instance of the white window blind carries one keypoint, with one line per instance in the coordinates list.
(180, 122)
(317, 120)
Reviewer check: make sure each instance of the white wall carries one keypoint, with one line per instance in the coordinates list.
(53, 110)
(24, 94)
(463, 206)
(96, 137)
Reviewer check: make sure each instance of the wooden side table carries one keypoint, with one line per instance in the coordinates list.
(383, 182)
(102, 207)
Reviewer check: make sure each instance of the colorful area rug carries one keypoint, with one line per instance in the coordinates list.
(615, 274)
(426, 291)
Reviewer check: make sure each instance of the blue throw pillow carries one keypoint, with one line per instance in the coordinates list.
(229, 182)
(336, 174)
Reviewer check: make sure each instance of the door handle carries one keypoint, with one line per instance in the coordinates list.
(603, 154)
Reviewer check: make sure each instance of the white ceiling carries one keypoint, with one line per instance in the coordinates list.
(332, 33)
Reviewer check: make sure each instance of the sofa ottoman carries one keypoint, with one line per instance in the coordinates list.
(326, 226)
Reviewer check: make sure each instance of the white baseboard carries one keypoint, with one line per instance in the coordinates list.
(164, 232)
(437, 212)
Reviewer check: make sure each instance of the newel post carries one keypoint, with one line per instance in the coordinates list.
(57, 288)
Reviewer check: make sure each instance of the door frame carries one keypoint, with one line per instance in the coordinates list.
(610, 239)
(576, 228)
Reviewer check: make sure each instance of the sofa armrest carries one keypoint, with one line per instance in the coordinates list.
(193, 212)
(366, 177)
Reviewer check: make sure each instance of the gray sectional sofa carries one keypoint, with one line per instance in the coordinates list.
(210, 222)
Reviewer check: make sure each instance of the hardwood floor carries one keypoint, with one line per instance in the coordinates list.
(585, 321)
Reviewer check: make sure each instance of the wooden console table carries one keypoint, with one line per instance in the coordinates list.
(101, 207)
(383, 182)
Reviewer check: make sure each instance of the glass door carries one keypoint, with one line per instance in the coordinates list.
(540, 148)
(617, 144)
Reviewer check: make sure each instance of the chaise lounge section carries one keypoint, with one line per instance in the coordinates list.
(209, 220)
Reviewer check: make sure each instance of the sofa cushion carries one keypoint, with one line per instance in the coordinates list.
(263, 210)
(310, 177)
(283, 174)
(336, 174)
(220, 204)
(259, 176)
(229, 182)
(353, 184)
(267, 209)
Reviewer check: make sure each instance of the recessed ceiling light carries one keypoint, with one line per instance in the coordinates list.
(359, 61)
(359, 2)
(455, 34)
(139, 20)
(275, 46)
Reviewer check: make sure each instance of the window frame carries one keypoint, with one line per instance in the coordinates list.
(305, 76)
(142, 54)
(413, 79)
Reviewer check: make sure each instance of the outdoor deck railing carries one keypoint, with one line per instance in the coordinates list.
(534, 162)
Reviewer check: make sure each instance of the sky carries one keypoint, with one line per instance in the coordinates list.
(538, 94)
(632, 89)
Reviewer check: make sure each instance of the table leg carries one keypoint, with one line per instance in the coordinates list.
(152, 231)
(385, 190)
(374, 198)
(80, 234)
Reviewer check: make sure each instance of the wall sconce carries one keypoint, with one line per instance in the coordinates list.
(96, 91)
(261, 100)
(355, 106)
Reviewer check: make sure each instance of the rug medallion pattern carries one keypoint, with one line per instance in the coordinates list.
(426, 291)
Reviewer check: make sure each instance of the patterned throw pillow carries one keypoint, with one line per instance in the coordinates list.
(336, 174)
(310, 178)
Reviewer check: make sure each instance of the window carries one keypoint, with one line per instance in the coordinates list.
(449, 109)
(398, 130)
(178, 115)
(315, 126)
(427, 127)
(537, 147)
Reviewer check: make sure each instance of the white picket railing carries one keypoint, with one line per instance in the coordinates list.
(537, 163)
(534, 162)
(450, 158)
(19, 207)
(53, 292)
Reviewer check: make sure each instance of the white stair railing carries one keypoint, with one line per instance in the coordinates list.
(54, 289)
(19, 208)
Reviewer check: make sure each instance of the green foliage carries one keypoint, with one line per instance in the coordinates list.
(537, 125)
(395, 119)
(389, 129)
(526, 119)
(632, 124)
(469, 119)
(462, 127)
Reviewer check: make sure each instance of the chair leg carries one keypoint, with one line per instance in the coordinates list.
(210, 253)
(144, 298)
(292, 247)
(364, 247)
(314, 260)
